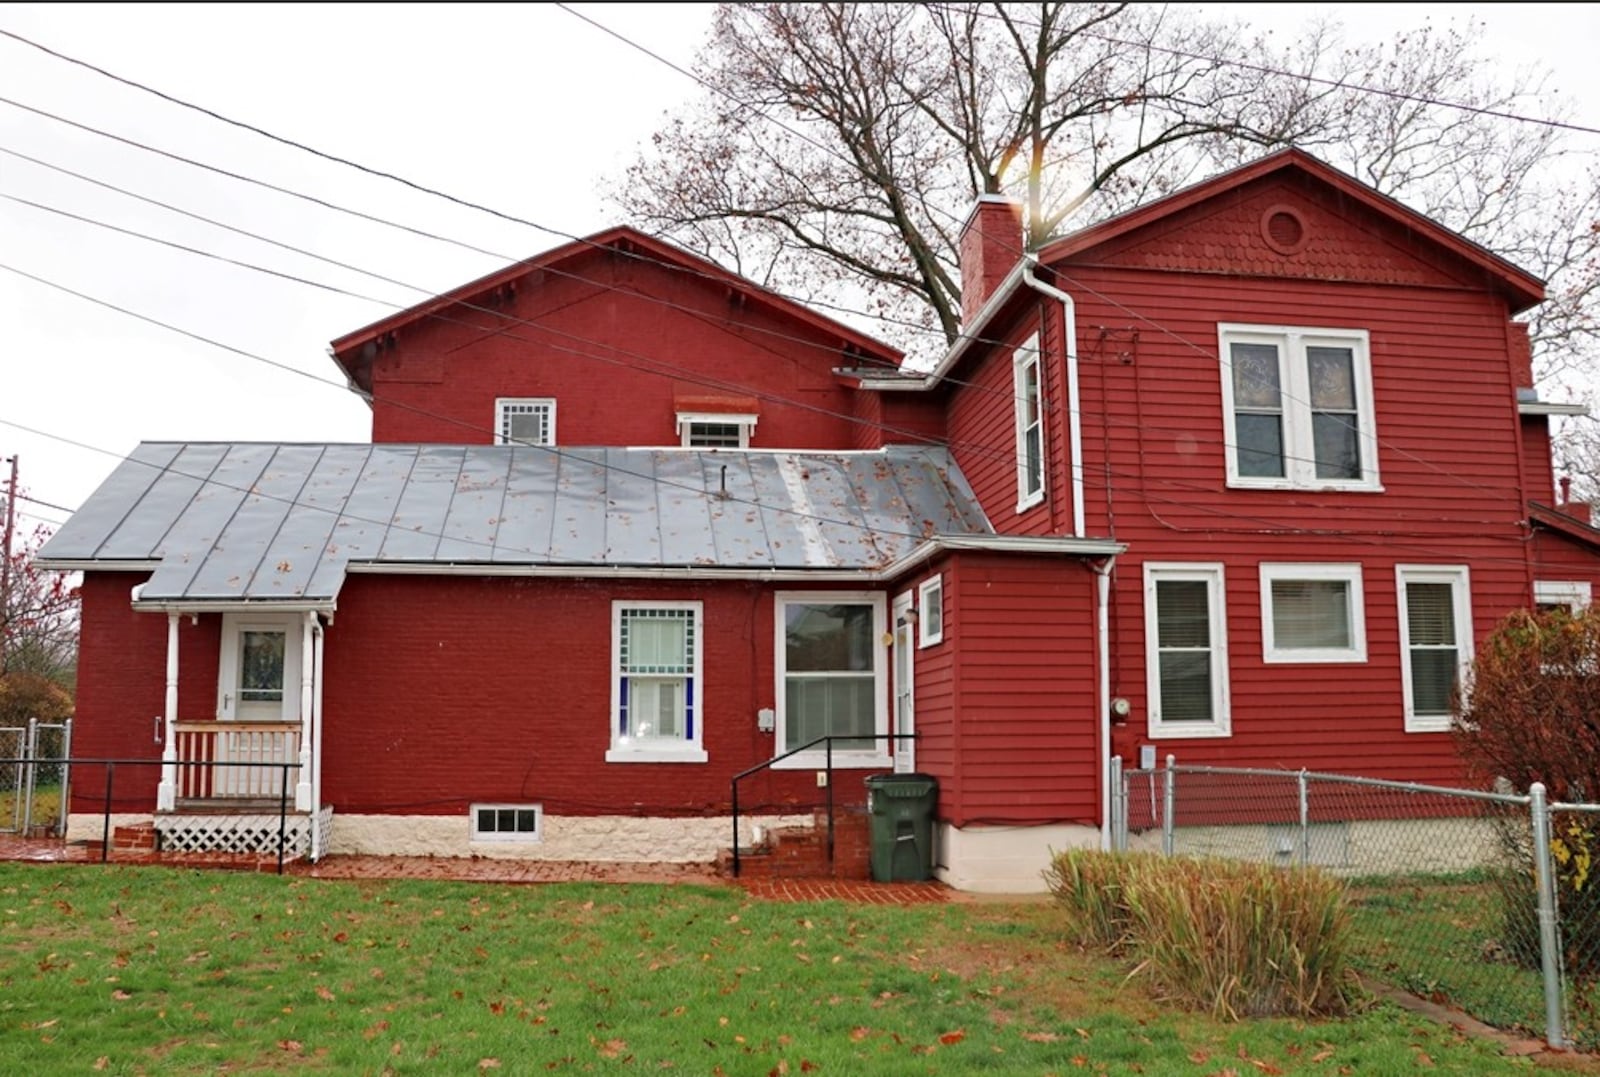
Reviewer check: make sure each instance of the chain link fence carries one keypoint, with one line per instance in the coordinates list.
(33, 778)
(1489, 902)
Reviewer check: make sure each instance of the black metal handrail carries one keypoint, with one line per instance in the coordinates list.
(827, 743)
(110, 766)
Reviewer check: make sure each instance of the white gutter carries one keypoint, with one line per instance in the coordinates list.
(1008, 287)
(1034, 544)
(1069, 312)
(232, 605)
(1102, 624)
(317, 851)
(1539, 407)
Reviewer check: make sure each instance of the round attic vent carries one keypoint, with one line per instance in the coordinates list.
(1284, 230)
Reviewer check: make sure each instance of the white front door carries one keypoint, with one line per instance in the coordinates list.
(905, 711)
(258, 681)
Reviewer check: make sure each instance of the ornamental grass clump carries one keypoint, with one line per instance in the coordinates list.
(1235, 939)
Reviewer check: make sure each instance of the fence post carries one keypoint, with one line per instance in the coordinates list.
(1169, 793)
(30, 773)
(66, 777)
(1116, 826)
(1549, 956)
(1305, 820)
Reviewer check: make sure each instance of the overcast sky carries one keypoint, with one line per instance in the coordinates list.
(519, 107)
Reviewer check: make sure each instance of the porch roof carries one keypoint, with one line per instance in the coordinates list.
(235, 523)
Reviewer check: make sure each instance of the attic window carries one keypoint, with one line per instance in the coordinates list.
(1284, 230)
(522, 421)
(715, 430)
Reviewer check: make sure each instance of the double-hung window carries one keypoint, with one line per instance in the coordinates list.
(655, 684)
(524, 421)
(1435, 641)
(1029, 396)
(1312, 613)
(1298, 408)
(930, 603)
(1186, 650)
(832, 676)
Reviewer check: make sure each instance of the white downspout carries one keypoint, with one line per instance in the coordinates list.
(1069, 317)
(1069, 311)
(317, 851)
(167, 791)
(302, 789)
(1102, 626)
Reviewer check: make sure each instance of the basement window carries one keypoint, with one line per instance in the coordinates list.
(507, 822)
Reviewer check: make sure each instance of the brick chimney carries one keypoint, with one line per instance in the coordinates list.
(991, 245)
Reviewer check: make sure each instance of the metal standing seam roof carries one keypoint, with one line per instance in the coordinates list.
(243, 522)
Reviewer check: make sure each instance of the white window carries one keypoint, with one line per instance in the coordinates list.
(1298, 407)
(1029, 396)
(1570, 595)
(1312, 613)
(1435, 640)
(507, 822)
(524, 421)
(713, 430)
(655, 683)
(930, 605)
(832, 676)
(1186, 650)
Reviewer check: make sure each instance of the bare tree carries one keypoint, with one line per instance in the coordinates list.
(839, 146)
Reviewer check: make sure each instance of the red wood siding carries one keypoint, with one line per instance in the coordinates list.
(1558, 558)
(1537, 465)
(1024, 694)
(614, 341)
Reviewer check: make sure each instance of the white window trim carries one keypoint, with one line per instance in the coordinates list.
(1349, 574)
(1298, 447)
(1573, 594)
(692, 749)
(500, 406)
(930, 593)
(878, 755)
(509, 836)
(1460, 583)
(1212, 575)
(1025, 356)
(745, 422)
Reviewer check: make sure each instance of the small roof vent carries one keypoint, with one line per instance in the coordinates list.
(1284, 230)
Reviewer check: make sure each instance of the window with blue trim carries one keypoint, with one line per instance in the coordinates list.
(656, 686)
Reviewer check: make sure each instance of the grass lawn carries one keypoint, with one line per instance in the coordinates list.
(159, 971)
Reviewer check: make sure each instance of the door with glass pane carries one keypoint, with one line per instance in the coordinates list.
(258, 705)
(905, 708)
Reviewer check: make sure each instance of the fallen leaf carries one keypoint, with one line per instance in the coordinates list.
(292, 1046)
(120, 995)
(1040, 1037)
(324, 994)
(950, 1038)
(102, 1062)
(612, 1048)
(488, 1063)
(859, 1033)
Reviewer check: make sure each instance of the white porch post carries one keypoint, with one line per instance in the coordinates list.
(317, 850)
(167, 791)
(302, 789)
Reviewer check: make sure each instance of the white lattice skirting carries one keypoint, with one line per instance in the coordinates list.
(252, 834)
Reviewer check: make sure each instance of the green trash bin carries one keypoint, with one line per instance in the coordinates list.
(901, 809)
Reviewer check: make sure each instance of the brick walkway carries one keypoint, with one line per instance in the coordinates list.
(478, 869)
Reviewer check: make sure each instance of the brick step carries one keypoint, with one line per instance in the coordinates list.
(802, 852)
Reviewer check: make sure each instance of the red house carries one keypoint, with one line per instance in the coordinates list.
(1239, 476)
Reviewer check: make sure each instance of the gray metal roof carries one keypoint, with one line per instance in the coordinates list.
(245, 522)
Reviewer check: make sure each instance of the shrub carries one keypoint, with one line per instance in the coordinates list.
(1239, 940)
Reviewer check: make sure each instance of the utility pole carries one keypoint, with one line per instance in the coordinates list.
(5, 560)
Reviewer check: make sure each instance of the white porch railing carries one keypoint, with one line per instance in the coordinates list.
(256, 751)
